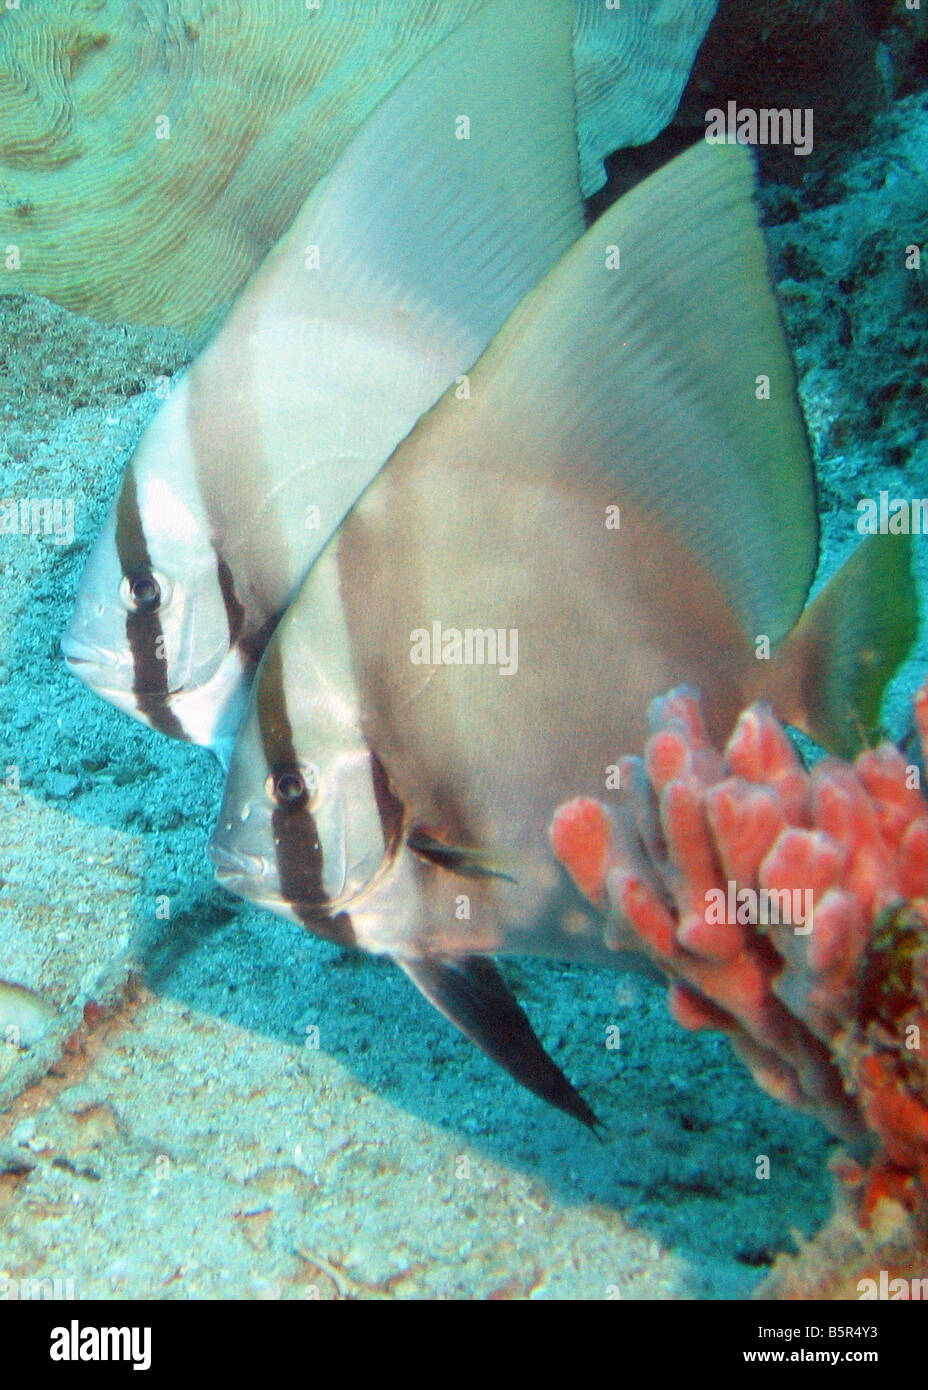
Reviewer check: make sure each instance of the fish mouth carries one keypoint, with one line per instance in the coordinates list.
(245, 874)
(98, 676)
(77, 653)
(95, 667)
(233, 865)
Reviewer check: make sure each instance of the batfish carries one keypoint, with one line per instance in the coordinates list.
(457, 195)
(625, 503)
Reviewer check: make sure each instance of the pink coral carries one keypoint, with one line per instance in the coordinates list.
(789, 908)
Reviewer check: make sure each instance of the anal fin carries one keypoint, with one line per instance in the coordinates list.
(471, 992)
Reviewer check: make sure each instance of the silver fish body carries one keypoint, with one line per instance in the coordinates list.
(450, 203)
(615, 510)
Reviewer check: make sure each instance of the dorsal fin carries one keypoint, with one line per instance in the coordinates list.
(471, 164)
(638, 357)
(398, 270)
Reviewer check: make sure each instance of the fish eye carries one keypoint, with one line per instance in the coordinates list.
(144, 591)
(292, 787)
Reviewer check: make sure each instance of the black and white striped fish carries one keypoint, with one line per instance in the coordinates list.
(454, 199)
(617, 510)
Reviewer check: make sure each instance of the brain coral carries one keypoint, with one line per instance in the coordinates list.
(152, 151)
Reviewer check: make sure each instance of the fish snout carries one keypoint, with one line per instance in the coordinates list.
(99, 667)
(235, 864)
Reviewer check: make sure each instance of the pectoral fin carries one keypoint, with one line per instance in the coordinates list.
(458, 859)
(472, 993)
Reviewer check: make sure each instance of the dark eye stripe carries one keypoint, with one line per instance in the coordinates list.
(296, 836)
(143, 628)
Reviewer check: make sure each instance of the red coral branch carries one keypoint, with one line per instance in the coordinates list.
(788, 908)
